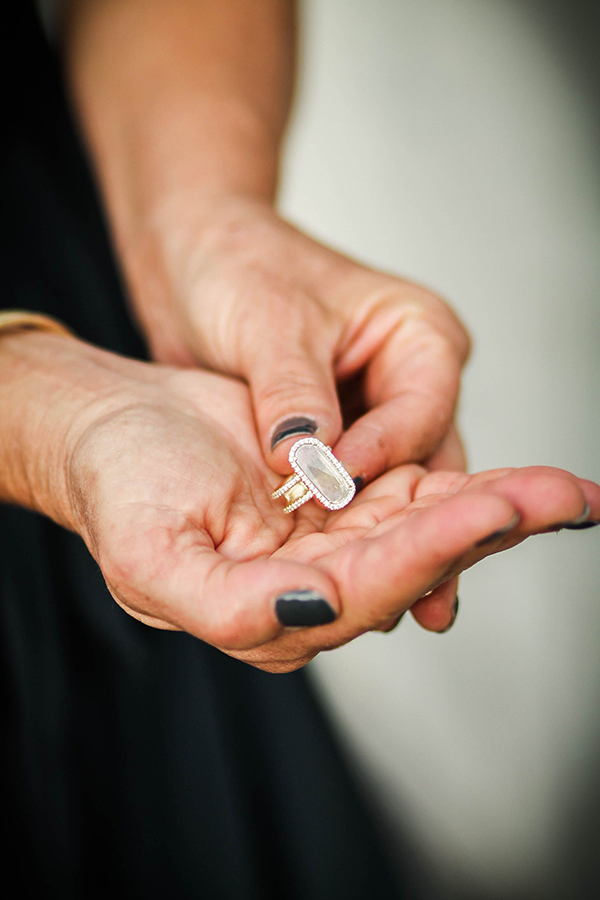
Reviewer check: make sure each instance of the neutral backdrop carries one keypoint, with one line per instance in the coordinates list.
(456, 142)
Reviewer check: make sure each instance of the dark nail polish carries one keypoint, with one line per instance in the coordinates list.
(580, 526)
(290, 427)
(454, 615)
(501, 532)
(303, 609)
(581, 522)
(359, 483)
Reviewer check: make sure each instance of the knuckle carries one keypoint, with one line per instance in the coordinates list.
(444, 318)
(422, 305)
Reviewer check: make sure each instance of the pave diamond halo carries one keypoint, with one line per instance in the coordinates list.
(317, 474)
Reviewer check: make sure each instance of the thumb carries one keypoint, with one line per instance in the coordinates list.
(294, 394)
(231, 605)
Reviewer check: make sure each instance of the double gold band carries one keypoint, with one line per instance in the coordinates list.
(295, 492)
(24, 320)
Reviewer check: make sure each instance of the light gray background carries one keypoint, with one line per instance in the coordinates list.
(452, 141)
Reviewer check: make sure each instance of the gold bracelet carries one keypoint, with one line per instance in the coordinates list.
(24, 320)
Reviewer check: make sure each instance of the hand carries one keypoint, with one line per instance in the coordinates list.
(245, 293)
(183, 106)
(170, 492)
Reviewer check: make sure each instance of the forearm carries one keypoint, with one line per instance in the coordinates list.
(180, 101)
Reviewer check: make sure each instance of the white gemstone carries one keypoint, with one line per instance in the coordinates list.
(321, 470)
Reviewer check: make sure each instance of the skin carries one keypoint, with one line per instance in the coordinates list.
(161, 472)
(183, 106)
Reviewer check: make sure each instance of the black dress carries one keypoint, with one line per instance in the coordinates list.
(136, 760)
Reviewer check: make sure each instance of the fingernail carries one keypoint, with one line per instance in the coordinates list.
(500, 531)
(359, 484)
(581, 522)
(290, 427)
(303, 609)
(582, 526)
(454, 615)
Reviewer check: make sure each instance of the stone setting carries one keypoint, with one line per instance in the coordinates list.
(321, 473)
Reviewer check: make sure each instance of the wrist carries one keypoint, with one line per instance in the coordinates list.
(51, 389)
(168, 257)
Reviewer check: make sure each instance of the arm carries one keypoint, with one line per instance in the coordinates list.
(194, 94)
(183, 105)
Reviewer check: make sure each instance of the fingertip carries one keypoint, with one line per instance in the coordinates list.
(453, 619)
(284, 436)
(303, 608)
(359, 483)
(293, 427)
(246, 605)
(500, 533)
(293, 397)
(437, 610)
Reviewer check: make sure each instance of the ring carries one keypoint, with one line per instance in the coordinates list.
(317, 474)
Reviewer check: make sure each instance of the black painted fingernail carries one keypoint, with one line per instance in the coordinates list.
(581, 522)
(454, 615)
(581, 526)
(303, 609)
(495, 535)
(359, 483)
(290, 427)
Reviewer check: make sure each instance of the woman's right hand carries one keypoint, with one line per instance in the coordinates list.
(161, 472)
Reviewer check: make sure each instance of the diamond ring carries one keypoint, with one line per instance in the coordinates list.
(317, 475)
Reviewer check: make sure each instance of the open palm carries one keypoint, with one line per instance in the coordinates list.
(172, 495)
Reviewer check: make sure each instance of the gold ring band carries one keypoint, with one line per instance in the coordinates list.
(23, 319)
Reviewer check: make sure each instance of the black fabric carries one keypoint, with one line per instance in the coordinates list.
(135, 760)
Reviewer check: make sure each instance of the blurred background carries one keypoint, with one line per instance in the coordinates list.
(456, 142)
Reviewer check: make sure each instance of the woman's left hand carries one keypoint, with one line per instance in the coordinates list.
(183, 106)
(243, 292)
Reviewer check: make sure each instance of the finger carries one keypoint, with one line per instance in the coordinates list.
(378, 501)
(379, 578)
(591, 492)
(528, 485)
(544, 499)
(543, 496)
(450, 455)
(232, 605)
(294, 394)
(437, 611)
(412, 386)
